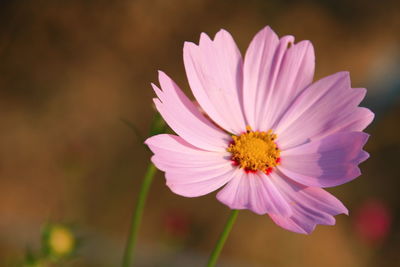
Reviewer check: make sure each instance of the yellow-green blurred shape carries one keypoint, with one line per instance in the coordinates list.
(59, 240)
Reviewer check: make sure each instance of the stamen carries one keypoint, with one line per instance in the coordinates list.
(255, 151)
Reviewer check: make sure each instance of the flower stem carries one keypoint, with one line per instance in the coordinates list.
(223, 237)
(158, 126)
(137, 216)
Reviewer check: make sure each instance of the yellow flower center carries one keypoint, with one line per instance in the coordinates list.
(255, 151)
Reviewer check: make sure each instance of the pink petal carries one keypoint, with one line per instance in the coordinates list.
(274, 74)
(253, 191)
(190, 172)
(328, 162)
(200, 182)
(185, 119)
(214, 71)
(329, 105)
(310, 206)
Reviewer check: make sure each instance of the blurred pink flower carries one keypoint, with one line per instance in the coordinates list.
(270, 134)
(372, 221)
(177, 223)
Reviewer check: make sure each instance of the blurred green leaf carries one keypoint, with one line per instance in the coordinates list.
(31, 260)
(135, 130)
(158, 125)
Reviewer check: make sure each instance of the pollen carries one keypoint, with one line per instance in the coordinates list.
(255, 151)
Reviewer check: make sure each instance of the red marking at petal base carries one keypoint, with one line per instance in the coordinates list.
(250, 170)
(268, 171)
(235, 163)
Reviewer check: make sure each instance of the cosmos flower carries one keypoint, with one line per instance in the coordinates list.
(261, 129)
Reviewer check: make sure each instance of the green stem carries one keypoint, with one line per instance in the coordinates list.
(158, 126)
(224, 235)
(137, 216)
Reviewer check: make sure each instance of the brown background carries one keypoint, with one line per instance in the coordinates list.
(70, 70)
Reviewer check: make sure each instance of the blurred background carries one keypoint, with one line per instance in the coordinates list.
(71, 71)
